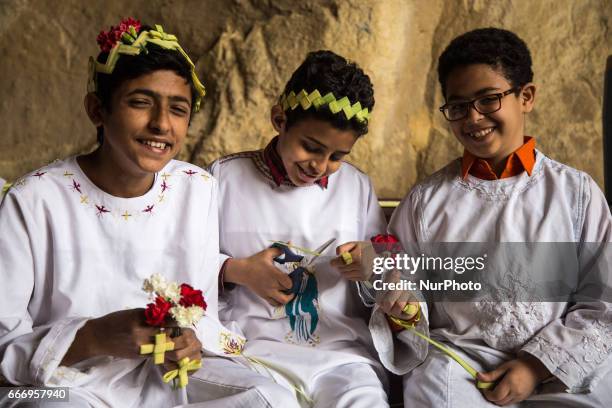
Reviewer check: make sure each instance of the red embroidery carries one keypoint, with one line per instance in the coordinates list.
(39, 174)
(164, 186)
(149, 209)
(76, 186)
(190, 172)
(101, 210)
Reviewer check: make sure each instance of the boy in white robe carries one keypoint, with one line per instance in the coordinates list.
(79, 236)
(298, 189)
(502, 190)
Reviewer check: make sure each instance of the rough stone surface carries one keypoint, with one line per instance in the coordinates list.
(246, 50)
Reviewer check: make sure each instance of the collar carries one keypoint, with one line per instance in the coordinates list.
(522, 159)
(277, 169)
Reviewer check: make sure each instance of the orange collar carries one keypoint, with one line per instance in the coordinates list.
(522, 159)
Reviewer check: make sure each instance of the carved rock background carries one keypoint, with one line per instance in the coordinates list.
(246, 50)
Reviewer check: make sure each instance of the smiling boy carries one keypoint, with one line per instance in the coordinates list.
(145, 124)
(80, 235)
(502, 190)
(299, 189)
(494, 141)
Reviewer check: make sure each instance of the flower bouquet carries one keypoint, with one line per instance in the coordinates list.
(173, 306)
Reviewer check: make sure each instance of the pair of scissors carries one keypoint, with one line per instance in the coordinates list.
(305, 261)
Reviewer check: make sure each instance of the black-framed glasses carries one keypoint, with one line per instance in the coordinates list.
(483, 104)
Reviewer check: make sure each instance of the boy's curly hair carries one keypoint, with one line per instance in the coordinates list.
(328, 72)
(500, 49)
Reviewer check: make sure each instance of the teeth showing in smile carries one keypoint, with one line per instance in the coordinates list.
(158, 145)
(480, 133)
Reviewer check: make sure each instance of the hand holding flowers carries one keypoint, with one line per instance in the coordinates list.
(182, 303)
(174, 305)
(93, 340)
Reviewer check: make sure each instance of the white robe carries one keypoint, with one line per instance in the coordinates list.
(70, 252)
(555, 204)
(254, 211)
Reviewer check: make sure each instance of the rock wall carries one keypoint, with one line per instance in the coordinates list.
(246, 50)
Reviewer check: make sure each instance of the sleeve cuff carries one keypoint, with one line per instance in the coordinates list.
(560, 362)
(401, 352)
(53, 347)
(223, 286)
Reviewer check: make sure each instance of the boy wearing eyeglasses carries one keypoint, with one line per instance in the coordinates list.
(502, 190)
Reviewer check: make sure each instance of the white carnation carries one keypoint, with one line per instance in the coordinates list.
(195, 313)
(156, 283)
(180, 315)
(172, 291)
(186, 316)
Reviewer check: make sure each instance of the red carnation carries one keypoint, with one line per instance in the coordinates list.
(105, 43)
(384, 238)
(191, 297)
(127, 22)
(386, 242)
(155, 313)
(107, 39)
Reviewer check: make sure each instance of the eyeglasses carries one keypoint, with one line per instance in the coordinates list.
(484, 104)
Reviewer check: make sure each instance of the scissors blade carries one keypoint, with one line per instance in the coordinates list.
(304, 250)
(320, 250)
(323, 247)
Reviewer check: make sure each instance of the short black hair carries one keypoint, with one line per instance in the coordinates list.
(326, 72)
(500, 49)
(133, 66)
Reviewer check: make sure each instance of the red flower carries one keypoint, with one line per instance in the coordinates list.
(107, 40)
(191, 297)
(127, 22)
(384, 238)
(155, 313)
(105, 43)
(385, 242)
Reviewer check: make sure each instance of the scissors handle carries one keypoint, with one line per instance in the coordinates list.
(296, 281)
(290, 256)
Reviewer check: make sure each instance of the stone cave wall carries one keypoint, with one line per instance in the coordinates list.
(245, 50)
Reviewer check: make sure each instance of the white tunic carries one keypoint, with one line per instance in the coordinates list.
(70, 252)
(254, 211)
(556, 204)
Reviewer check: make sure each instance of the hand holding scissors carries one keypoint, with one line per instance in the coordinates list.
(305, 261)
(258, 274)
